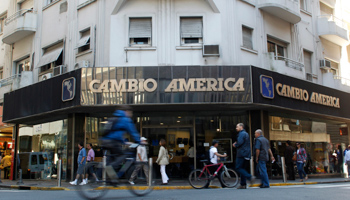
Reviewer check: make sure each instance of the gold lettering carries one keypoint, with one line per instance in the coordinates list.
(221, 88)
(226, 85)
(189, 86)
(91, 85)
(132, 85)
(211, 84)
(200, 84)
(172, 87)
(284, 91)
(290, 92)
(115, 87)
(278, 88)
(150, 80)
(239, 85)
(305, 95)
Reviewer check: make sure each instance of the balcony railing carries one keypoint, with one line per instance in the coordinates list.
(291, 63)
(344, 81)
(17, 15)
(9, 80)
(337, 21)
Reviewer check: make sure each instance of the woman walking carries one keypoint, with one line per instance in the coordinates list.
(301, 159)
(163, 160)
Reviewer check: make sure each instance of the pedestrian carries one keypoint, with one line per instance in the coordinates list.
(288, 155)
(81, 164)
(6, 165)
(347, 161)
(340, 159)
(89, 168)
(262, 151)
(141, 161)
(243, 156)
(301, 160)
(1, 167)
(190, 154)
(163, 160)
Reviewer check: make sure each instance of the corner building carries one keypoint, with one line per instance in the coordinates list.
(190, 69)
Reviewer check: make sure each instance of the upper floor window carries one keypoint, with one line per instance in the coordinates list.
(51, 58)
(2, 23)
(23, 65)
(325, 10)
(279, 48)
(27, 4)
(191, 30)
(140, 31)
(334, 68)
(303, 5)
(1, 72)
(247, 34)
(84, 41)
(49, 1)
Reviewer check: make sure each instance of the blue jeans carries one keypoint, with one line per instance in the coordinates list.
(301, 171)
(241, 164)
(263, 173)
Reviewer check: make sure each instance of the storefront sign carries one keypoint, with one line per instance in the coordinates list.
(68, 89)
(297, 93)
(176, 85)
(166, 85)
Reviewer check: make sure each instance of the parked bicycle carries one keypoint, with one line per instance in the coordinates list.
(201, 178)
(97, 189)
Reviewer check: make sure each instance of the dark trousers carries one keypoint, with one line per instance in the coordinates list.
(241, 165)
(290, 171)
(7, 172)
(117, 154)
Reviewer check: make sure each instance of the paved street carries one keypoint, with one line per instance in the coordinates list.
(319, 192)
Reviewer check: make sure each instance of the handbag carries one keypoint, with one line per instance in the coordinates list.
(294, 157)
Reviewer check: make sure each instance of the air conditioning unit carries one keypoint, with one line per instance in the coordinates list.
(45, 76)
(211, 51)
(83, 63)
(325, 64)
(59, 70)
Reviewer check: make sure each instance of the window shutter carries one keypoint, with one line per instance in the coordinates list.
(191, 27)
(140, 28)
(307, 62)
(247, 37)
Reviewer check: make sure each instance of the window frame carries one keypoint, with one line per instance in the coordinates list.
(2, 22)
(277, 43)
(86, 32)
(131, 40)
(26, 65)
(183, 39)
(251, 37)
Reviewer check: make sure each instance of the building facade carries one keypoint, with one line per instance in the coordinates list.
(191, 70)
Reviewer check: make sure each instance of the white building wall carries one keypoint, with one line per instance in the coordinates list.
(222, 25)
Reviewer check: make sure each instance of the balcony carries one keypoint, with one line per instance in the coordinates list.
(336, 82)
(15, 82)
(288, 10)
(19, 25)
(333, 29)
(284, 65)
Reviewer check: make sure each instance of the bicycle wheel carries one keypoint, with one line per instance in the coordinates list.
(93, 189)
(197, 179)
(140, 186)
(229, 178)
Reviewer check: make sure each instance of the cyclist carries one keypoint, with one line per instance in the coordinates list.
(214, 157)
(114, 139)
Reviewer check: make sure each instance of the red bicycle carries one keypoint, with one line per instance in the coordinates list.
(200, 178)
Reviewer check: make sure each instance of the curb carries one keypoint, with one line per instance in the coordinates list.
(23, 187)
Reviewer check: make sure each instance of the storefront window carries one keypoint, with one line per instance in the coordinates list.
(40, 147)
(324, 143)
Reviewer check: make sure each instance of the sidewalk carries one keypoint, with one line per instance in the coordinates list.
(173, 184)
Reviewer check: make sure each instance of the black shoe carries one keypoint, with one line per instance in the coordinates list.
(242, 187)
(264, 186)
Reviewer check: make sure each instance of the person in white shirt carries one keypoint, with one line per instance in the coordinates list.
(142, 161)
(214, 152)
(214, 157)
(347, 160)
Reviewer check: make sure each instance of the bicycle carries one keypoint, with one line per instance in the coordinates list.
(200, 178)
(97, 189)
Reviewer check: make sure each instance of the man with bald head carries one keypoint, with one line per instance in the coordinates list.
(262, 151)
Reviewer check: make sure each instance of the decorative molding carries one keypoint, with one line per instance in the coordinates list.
(140, 48)
(51, 4)
(86, 3)
(249, 50)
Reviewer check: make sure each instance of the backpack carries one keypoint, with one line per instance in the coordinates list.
(207, 156)
(106, 127)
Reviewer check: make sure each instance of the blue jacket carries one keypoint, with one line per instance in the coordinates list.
(243, 145)
(124, 124)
